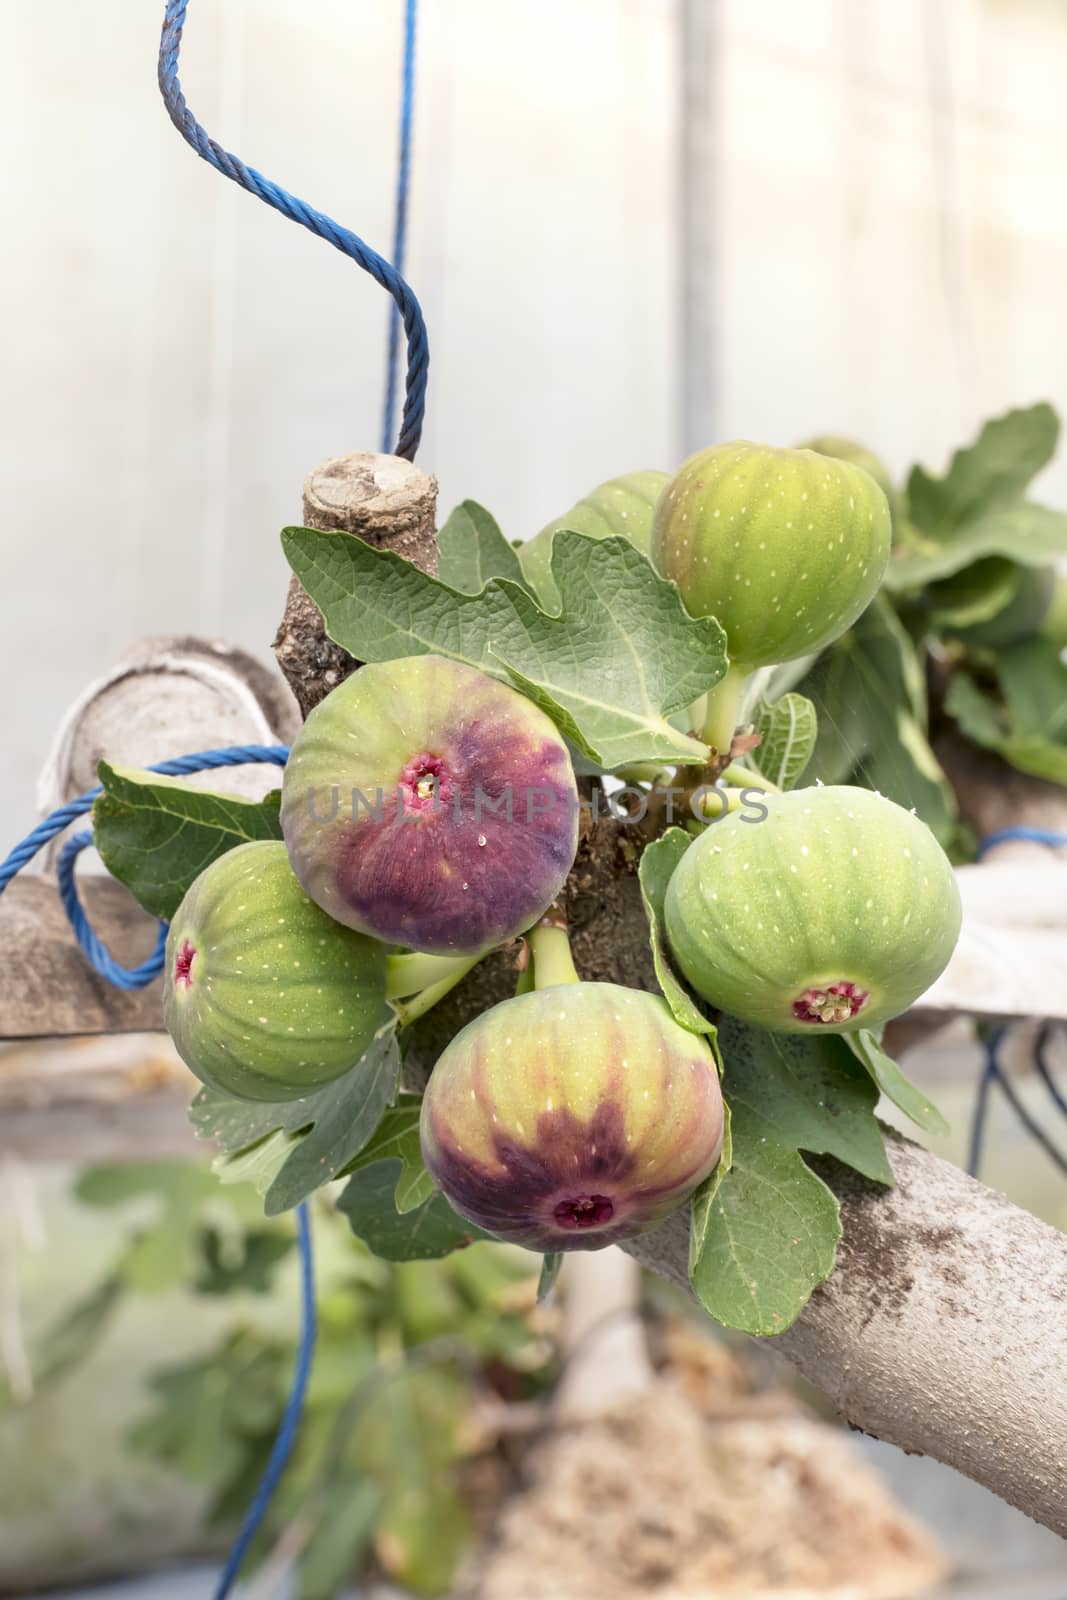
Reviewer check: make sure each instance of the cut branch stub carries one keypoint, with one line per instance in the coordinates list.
(388, 503)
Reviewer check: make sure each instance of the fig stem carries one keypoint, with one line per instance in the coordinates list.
(409, 1011)
(739, 777)
(723, 705)
(407, 974)
(552, 960)
(716, 805)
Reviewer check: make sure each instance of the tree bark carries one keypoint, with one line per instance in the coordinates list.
(385, 501)
(943, 1328)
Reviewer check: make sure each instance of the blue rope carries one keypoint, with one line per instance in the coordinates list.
(136, 978)
(1047, 836)
(992, 1072)
(287, 1430)
(980, 1115)
(1044, 1072)
(317, 222)
(93, 946)
(400, 227)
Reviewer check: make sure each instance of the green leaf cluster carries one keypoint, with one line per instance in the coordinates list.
(966, 634)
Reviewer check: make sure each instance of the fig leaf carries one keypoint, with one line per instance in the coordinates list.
(433, 1230)
(993, 471)
(867, 1048)
(658, 862)
(765, 1234)
(473, 550)
(550, 1270)
(1027, 726)
(618, 661)
(156, 835)
(397, 1137)
(327, 1128)
(788, 730)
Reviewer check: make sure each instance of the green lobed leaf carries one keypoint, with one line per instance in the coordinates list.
(156, 835)
(975, 594)
(248, 1269)
(884, 1071)
(703, 1200)
(658, 861)
(788, 730)
(771, 1238)
(551, 1266)
(993, 471)
(474, 550)
(368, 1200)
(621, 658)
(766, 1234)
(870, 696)
(163, 1253)
(330, 1126)
(397, 1135)
(1025, 532)
(1027, 724)
(343, 1532)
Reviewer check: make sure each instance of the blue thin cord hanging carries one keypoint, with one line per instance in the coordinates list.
(400, 224)
(1055, 841)
(993, 1074)
(317, 222)
(290, 1423)
(137, 978)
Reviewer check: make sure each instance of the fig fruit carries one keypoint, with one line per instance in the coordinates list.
(265, 996)
(572, 1117)
(832, 444)
(430, 806)
(836, 911)
(784, 547)
(621, 506)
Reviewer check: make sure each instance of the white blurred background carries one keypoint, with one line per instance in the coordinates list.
(862, 228)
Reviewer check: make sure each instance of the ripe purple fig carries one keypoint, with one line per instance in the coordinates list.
(784, 547)
(572, 1117)
(834, 912)
(264, 996)
(430, 806)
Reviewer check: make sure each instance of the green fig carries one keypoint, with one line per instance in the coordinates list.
(836, 911)
(621, 506)
(572, 1117)
(264, 995)
(832, 444)
(784, 547)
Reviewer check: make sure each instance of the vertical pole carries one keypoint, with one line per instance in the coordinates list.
(698, 36)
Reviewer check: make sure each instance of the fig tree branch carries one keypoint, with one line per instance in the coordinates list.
(944, 1328)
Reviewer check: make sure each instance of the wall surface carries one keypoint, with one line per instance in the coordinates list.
(888, 182)
(177, 356)
(886, 254)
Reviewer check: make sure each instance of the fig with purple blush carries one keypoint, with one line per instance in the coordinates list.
(572, 1117)
(834, 912)
(264, 996)
(430, 806)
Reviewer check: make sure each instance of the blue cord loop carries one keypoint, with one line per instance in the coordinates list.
(282, 1448)
(400, 225)
(993, 1073)
(317, 222)
(1055, 841)
(92, 945)
(136, 978)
